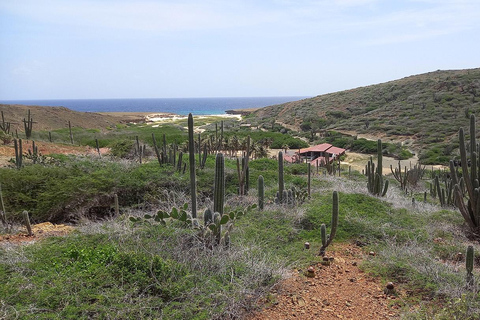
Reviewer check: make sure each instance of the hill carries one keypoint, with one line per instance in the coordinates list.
(424, 111)
(52, 118)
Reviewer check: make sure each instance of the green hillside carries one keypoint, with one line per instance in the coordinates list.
(423, 111)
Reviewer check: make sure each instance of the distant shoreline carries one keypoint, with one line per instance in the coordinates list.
(180, 106)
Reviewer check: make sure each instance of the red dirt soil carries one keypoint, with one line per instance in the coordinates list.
(338, 291)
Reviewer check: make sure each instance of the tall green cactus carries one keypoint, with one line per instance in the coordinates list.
(470, 178)
(219, 196)
(3, 213)
(440, 191)
(309, 179)
(219, 191)
(191, 159)
(261, 193)
(469, 267)
(242, 169)
(70, 130)
(281, 185)
(326, 240)
(375, 182)
(18, 153)
(28, 125)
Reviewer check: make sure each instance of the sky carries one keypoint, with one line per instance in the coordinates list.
(81, 49)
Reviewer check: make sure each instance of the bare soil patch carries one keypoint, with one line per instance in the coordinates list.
(338, 291)
(40, 231)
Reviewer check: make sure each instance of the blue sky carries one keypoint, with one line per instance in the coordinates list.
(52, 49)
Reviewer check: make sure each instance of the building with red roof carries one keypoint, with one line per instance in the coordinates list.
(321, 153)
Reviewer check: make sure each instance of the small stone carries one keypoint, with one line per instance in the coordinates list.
(389, 289)
(310, 272)
(459, 257)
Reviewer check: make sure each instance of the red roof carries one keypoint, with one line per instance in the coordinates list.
(336, 150)
(318, 148)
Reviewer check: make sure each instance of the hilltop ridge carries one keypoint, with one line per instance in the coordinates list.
(421, 110)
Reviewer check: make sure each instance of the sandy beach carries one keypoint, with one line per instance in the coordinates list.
(161, 116)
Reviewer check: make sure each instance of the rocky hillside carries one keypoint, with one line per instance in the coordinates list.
(51, 118)
(424, 109)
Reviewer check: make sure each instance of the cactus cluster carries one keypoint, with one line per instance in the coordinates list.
(4, 125)
(469, 180)
(168, 153)
(445, 196)
(405, 177)
(375, 184)
(327, 239)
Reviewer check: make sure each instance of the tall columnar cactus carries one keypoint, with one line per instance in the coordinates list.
(281, 185)
(242, 169)
(70, 130)
(327, 239)
(191, 159)
(469, 267)
(375, 182)
(3, 213)
(26, 220)
(97, 146)
(219, 191)
(309, 178)
(18, 153)
(470, 178)
(261, 192)
(440, 191)
(115, 202)
(28, 125)
(157, 152)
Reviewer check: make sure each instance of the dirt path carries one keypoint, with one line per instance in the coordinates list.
(338, 291)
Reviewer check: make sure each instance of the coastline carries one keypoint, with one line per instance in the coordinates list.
(167, 116)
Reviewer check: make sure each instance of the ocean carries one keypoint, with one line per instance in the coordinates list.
(180, 106)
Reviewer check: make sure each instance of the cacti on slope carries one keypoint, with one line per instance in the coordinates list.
(375, 182)
(470, 178)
